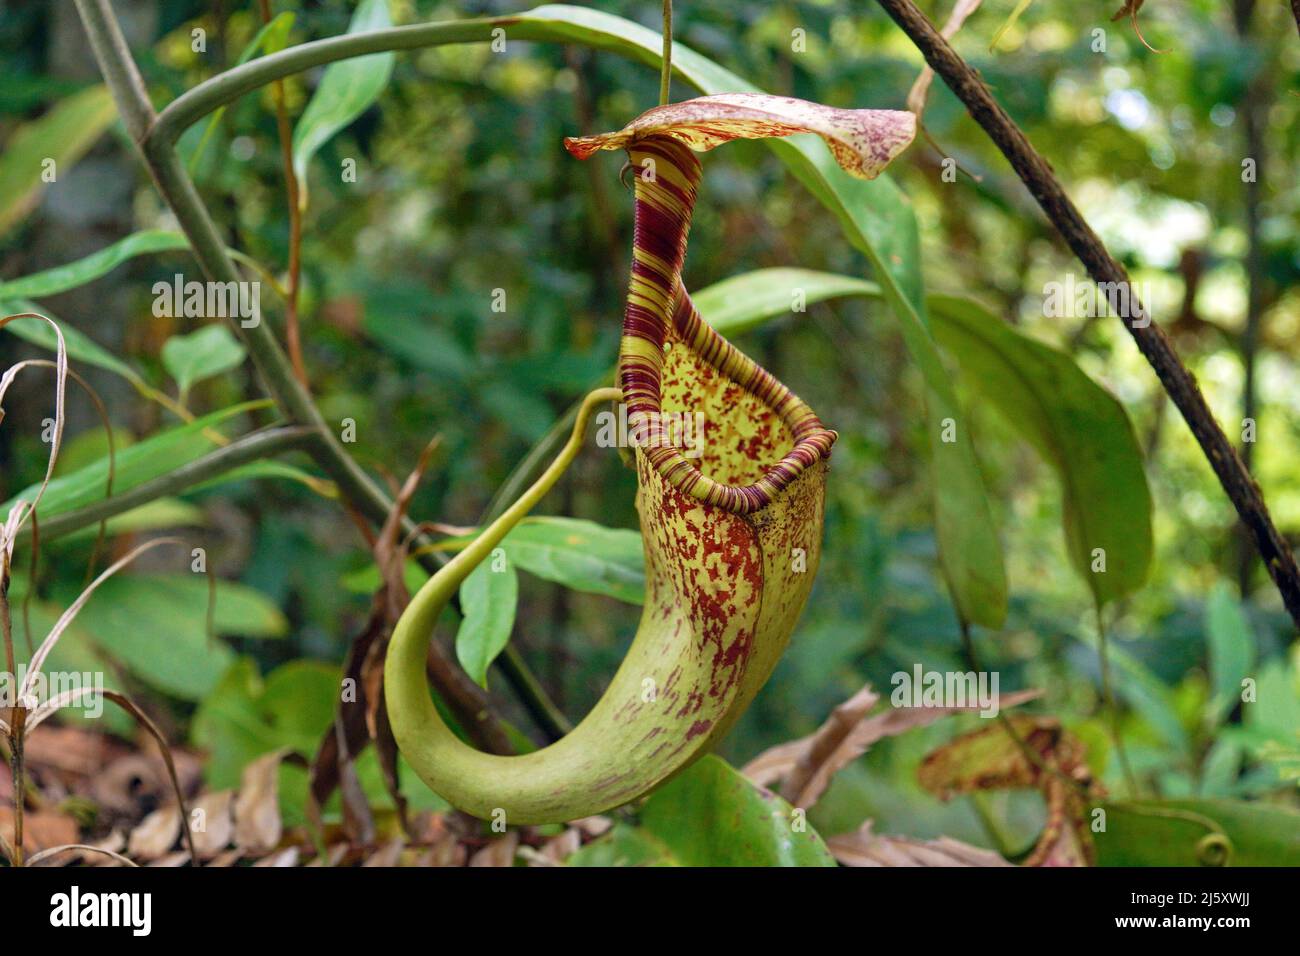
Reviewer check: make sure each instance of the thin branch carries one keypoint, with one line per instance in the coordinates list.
(259, 444)
(155, 138)
(217, 91)
(1151, 340)
(293, 339)
(666, 68)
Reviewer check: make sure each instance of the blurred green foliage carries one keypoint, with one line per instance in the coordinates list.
(463, 188)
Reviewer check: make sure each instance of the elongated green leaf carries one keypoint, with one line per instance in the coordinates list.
(576, 553)
(97, 264)
(156, 627)
(1231, 650)
(80, 348)
(581, 555)
(202, 354)
(489, 598)
(62, 135)
(742, 302)
(143, 461)
(711, 815)
(263, 469)
(347, 89)
(1186, 833)
(161, 513)
(1079, 428)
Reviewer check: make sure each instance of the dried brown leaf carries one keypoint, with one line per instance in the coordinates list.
(258, 826)
(1130, 10)
(156, 834)
(388, 855)
(500, 852)
(1026, 752)
(865, 848)
(808, 765)
(212, 823)
(42, 829)
(916, 97)
(76, 852)
(281, 859)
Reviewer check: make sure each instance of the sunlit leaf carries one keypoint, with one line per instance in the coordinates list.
(63, 135)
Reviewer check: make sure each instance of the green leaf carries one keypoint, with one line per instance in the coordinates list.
(1170, 833)
(624, 845)
(1079, 429)
(488, 600)
(155, 515)
(581, 555)
(63, 135)
(347, 89)
(1231, 651)
(267, 468)
(80, 348)
(97, 264)
(207, 352)
(711, 815)
(143, 461)
(742, 302)
(156, 627)
(573, 552)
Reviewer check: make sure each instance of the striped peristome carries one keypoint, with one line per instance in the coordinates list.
(662, 142)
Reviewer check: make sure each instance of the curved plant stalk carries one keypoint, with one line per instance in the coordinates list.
(732, 537)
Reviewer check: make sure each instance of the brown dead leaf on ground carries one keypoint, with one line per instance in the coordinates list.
(286, 858)
(1045, 757)
(500, 852)
(808, 765)
(865, 848)
(134, 780)
(258, 827)
(213, 823)
(42, 829)
(390, 854)
(155, 835)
